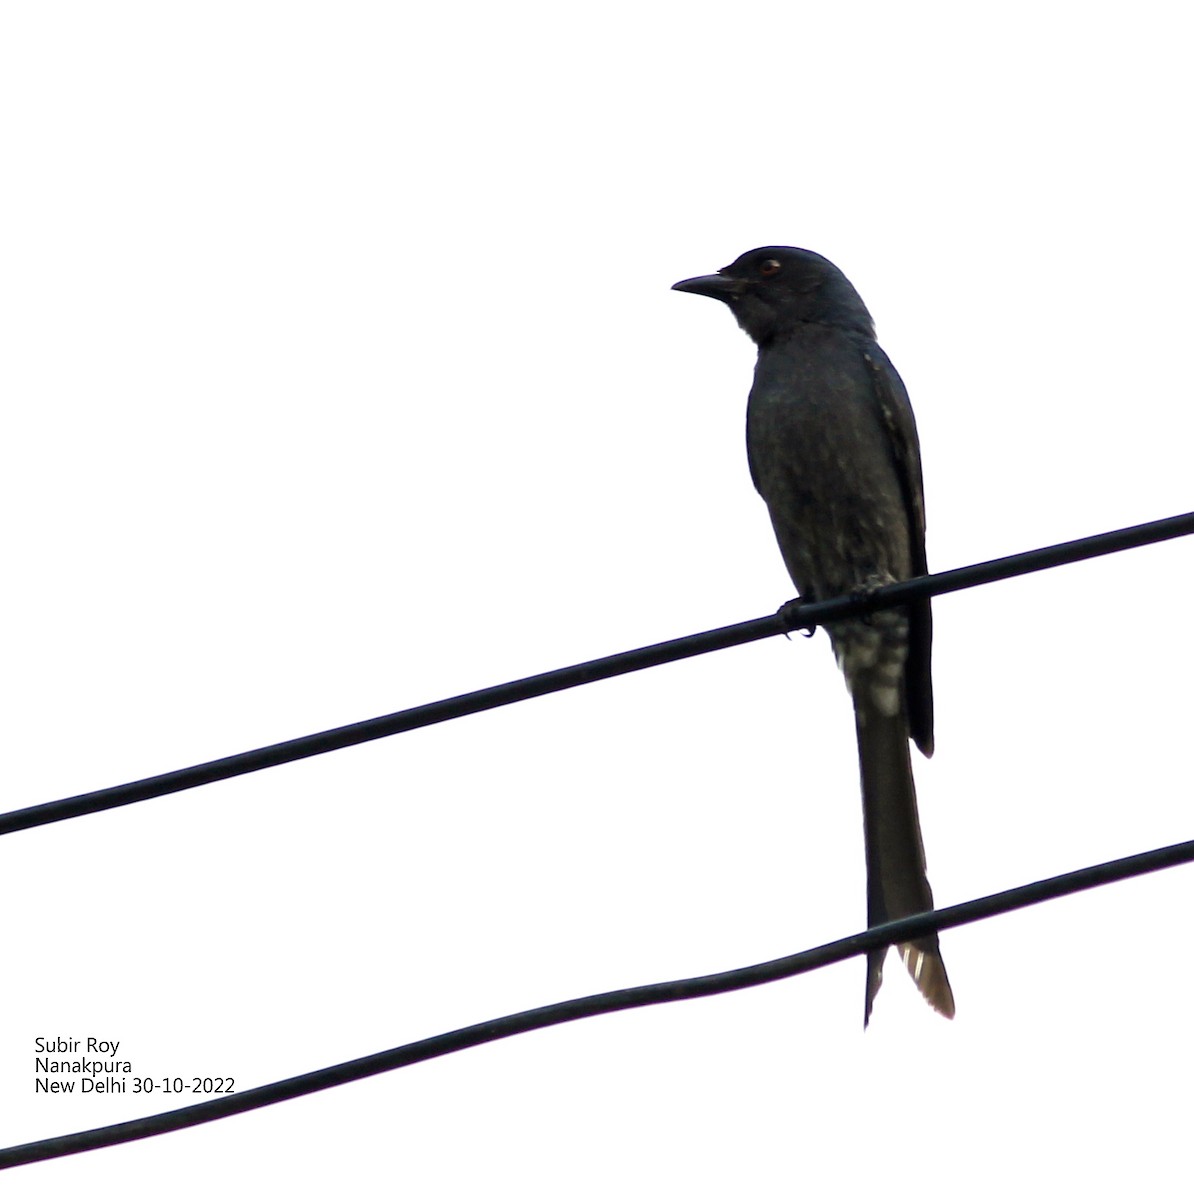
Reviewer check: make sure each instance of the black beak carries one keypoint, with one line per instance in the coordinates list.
(719, 287)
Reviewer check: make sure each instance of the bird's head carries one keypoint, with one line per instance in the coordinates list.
(774, 289)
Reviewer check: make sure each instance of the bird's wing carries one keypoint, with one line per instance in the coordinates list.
(896, 412)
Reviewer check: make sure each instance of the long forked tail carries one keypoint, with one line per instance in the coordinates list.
(897, 885)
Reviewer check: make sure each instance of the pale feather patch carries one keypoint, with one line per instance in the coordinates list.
(886, 698)
(871, 655)
(914, 960)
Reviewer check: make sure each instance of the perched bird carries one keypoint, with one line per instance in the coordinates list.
(833, 450)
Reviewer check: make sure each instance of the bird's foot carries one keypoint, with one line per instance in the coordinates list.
(865, 591)
(790, 614)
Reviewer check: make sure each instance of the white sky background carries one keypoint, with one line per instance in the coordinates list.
(343, 374)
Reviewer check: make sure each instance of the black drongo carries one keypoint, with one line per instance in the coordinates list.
(833, 451)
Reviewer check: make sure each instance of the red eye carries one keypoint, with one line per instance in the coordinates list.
(769, 267)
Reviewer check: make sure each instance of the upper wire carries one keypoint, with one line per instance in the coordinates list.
(792, 616)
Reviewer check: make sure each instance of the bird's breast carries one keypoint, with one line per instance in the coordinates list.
(821, 458)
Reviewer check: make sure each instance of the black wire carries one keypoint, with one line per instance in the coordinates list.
(606, 1002)
(792, 616)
